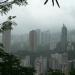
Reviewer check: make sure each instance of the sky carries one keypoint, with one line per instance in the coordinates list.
(45, 17)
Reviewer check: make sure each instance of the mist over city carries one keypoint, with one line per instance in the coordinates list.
(38, 16)
(37, 37)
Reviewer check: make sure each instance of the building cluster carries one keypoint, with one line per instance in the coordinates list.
(58, 59)
(39, 40)
(59, 62)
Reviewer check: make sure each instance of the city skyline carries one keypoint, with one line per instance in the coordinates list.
(38, 38)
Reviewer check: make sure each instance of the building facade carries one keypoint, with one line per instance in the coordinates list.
(6, 40)
(45, 39)
(64, 38)
(33, 40)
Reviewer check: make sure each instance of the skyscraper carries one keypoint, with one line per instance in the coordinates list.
(64, 34)
(33, 40)
(45, 39)
(38, 37)
(64, 38)
(6, 39)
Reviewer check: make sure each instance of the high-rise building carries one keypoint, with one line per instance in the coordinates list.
(6, 39)
(38, 37)
(39, 40)
(45, 39)
(64, 34)
(64, 38)
(33, 40)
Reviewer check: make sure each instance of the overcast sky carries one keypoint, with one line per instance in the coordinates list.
(36, 15)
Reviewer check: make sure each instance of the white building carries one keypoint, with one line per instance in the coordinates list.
(26, 62)
(41, 65)
(59, 62)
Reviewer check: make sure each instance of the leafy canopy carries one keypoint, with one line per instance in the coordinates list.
(6, 5)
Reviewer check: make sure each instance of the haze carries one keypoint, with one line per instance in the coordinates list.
(46, 17)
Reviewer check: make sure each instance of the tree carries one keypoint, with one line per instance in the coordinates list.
(6, 5)
(72, 69)
(53, 2)
(10, 65)
(72, 72)
(7, 25)
(55, 72)
(7, 62)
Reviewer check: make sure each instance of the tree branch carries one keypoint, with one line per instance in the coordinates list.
(53, 2)
(7, 5)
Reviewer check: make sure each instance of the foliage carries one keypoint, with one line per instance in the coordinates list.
(55, 72)
(53, 2)
(10, 65)
(6, 5)
(72, 72)
(7, 25)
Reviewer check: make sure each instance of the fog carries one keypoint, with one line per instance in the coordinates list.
(45, 17)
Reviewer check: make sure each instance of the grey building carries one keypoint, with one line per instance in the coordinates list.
(45, 39)
(6, 40)
(64, 38)
(33, 40)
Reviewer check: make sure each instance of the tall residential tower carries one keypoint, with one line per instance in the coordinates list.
(33, 40)
(6, 39)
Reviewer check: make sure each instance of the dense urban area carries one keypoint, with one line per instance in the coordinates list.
(38, 51)
(47, 53)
